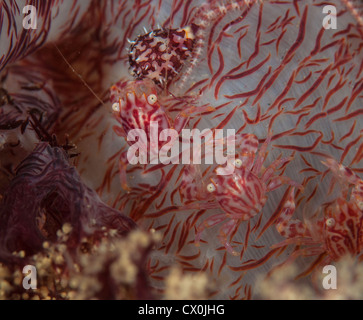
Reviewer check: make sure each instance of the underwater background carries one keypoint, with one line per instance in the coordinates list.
(268, 68)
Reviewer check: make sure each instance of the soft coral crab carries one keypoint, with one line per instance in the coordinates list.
(242, 194)
(137, 105)
(338, 230)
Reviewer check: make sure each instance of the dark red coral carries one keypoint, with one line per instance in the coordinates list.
(46, 193)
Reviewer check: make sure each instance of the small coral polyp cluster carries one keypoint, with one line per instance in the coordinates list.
(95, 226)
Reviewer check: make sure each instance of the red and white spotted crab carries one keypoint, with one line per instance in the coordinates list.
(338, 232)
(161, 54)
(156, 58)
(242, 194)
(135, 105)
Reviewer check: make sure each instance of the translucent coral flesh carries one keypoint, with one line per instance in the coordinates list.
(269, 66)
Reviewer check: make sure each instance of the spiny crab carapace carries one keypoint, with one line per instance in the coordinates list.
(160, 55)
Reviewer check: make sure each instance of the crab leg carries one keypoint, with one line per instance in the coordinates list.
(183, 117)
(122, 171)
(248, 144)
(190, 186)
(209, 222)
(279, 181)
(272, 168)
(119, 131)
(342, 172)
(261, 156)
(286, 226)
(225, 232)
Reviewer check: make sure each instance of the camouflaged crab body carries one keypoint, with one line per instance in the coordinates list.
(338, 232)
(136, 106)
(160, 54)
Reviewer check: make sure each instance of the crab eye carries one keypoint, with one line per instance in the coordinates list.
(330, 222)
(211, 187)
(152, 98)
(116, 107)
(238, 163)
